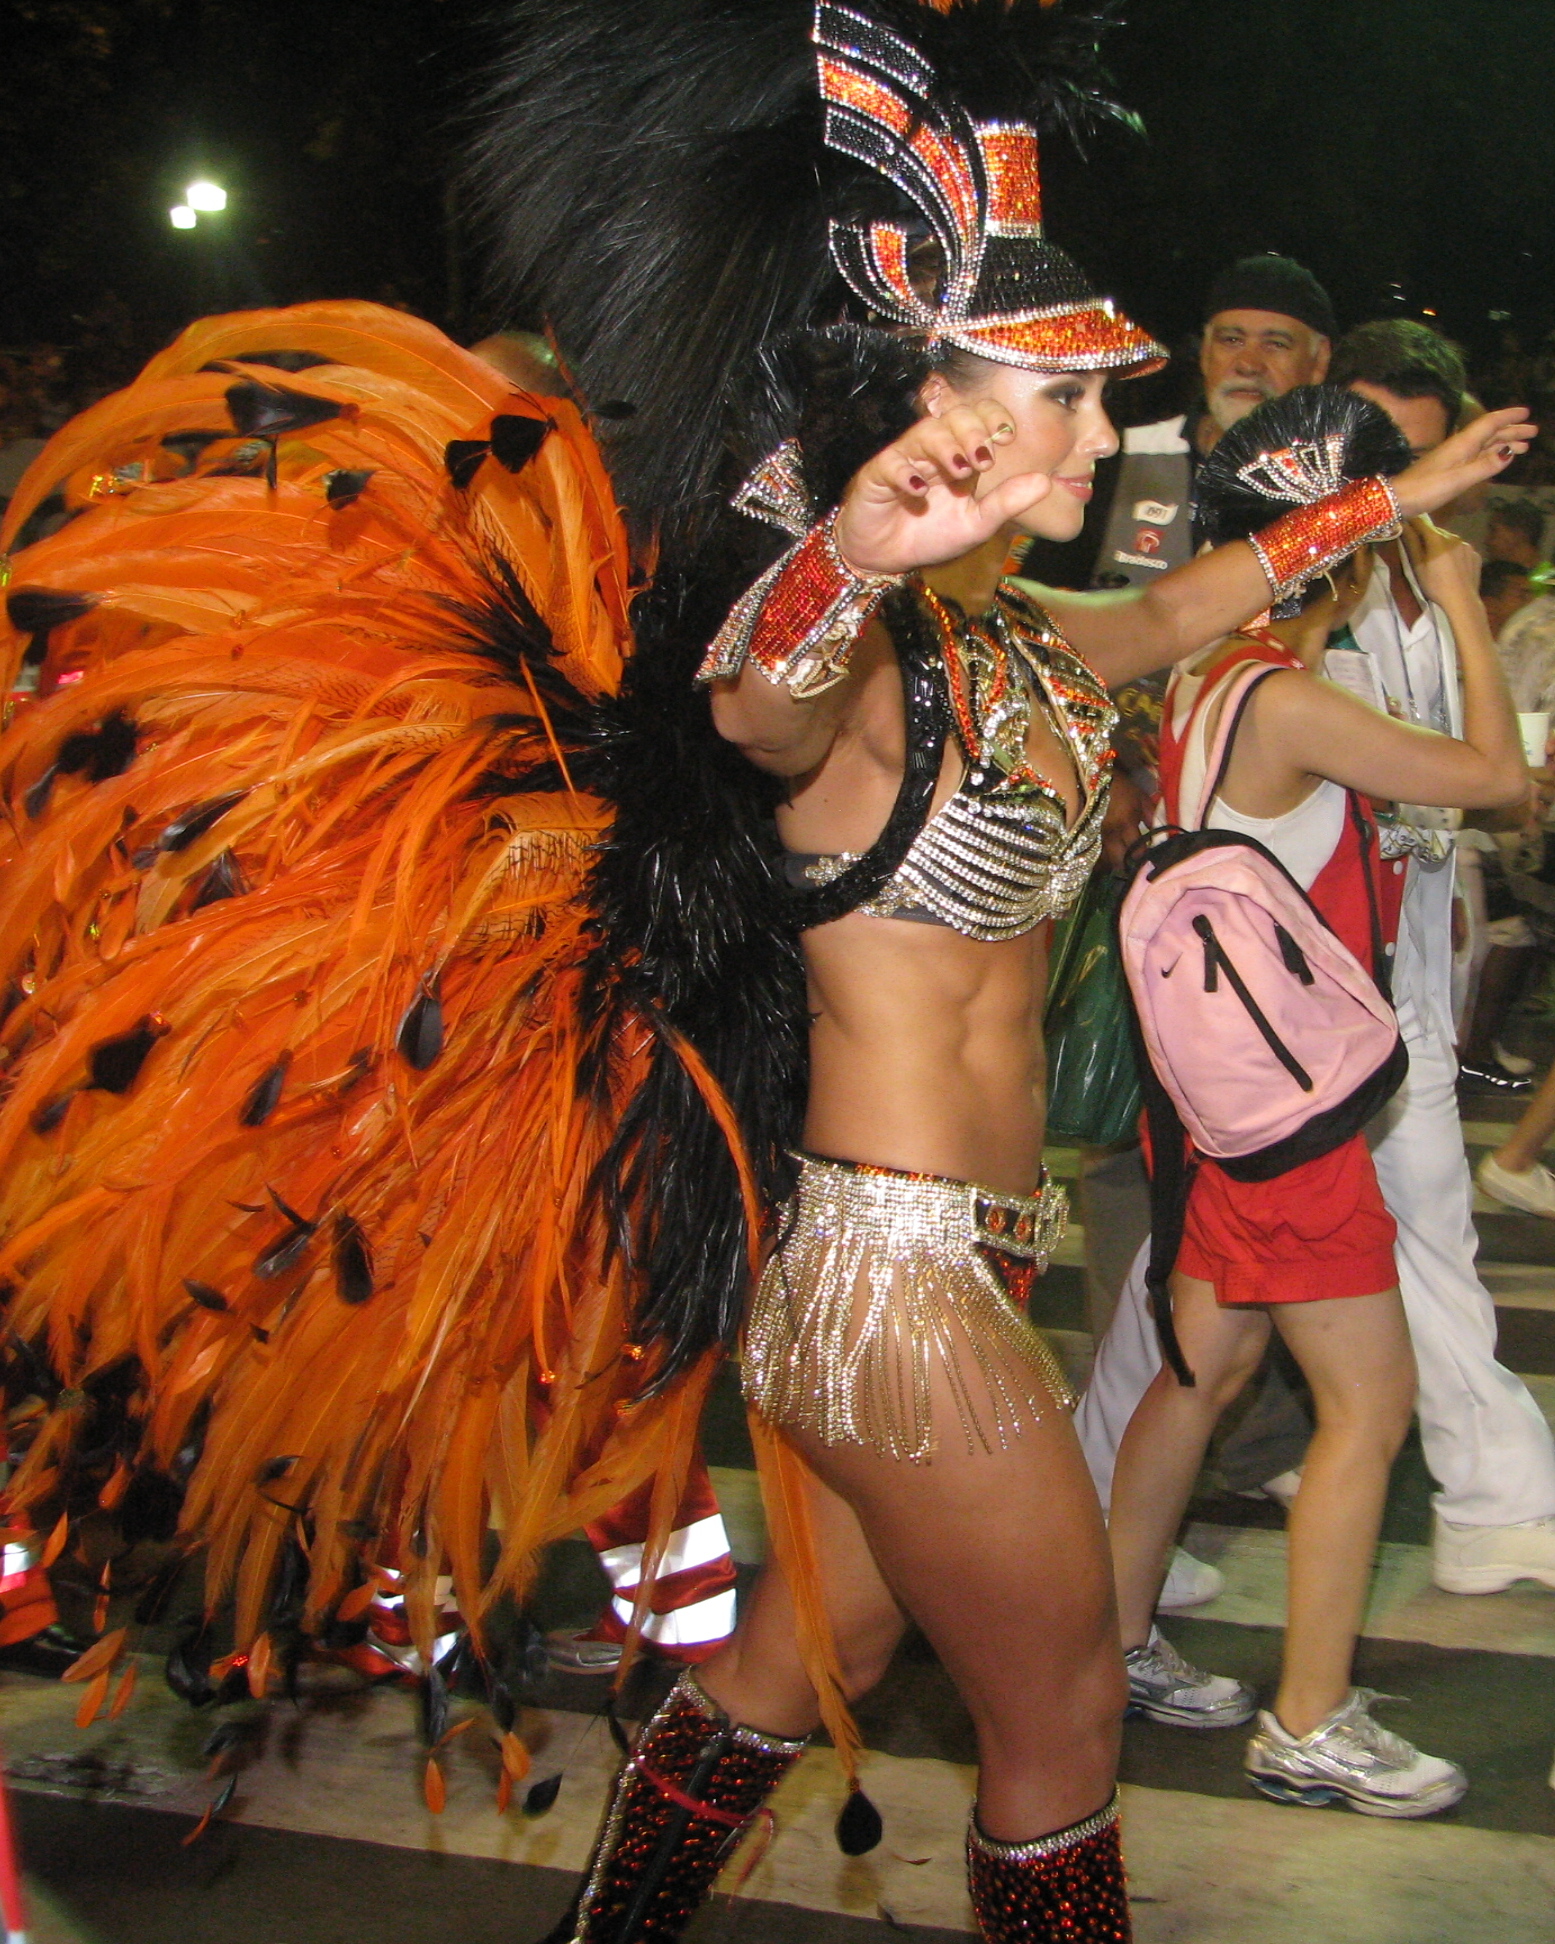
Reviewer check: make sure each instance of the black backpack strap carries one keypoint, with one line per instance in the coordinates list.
(1226, 736)
(1381, 965)
(1171, 1178)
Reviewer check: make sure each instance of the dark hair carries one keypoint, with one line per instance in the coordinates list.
(1495, 576)
(1234, 496)
(1400, 356)
(1522, 516)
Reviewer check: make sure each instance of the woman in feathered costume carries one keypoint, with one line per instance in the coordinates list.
(408, 980)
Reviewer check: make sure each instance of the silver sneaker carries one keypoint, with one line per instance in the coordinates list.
(1162, 1686)
(1351, 1758)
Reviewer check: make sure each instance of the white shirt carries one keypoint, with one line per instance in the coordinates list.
(1418, 671)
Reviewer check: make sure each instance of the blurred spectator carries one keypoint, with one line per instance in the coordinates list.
(1415, 375)
(1504, 588)
(1514, 530)
(1527, 645)
(1515, 1174)
(1268, 325)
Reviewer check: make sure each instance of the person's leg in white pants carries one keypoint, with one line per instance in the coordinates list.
(1486, 1441)
(1126, 1361)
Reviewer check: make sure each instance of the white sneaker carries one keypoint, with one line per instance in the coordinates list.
(1489, 1559)
(1530, 1189)
(1189, 1583)
(1513, 1062)
(1162, 1686)
(1282, 1488)
(1351, 1758)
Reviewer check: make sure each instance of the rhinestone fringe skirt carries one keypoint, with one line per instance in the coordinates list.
(887, 1290)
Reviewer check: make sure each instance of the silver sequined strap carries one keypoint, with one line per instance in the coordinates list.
(1042, 1846)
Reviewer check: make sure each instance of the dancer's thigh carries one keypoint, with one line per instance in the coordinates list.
(1000, 1557)
(759, 1674)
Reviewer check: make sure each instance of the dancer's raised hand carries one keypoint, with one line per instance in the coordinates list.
(923, 500)
(1486, 446)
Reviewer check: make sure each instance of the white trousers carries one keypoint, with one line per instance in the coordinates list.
(1486, 1441)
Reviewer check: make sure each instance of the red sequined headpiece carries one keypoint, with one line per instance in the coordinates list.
(1008, 294)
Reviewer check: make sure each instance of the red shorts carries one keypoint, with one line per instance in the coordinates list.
(1319, 1231)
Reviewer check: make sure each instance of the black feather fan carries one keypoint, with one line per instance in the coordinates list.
(1230, 507)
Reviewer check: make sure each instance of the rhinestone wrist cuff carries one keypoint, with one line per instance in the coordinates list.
(1300, 545)
(800, 621)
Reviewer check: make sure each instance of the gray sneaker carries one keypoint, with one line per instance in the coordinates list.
(1351, 1758)
(1162, 1686)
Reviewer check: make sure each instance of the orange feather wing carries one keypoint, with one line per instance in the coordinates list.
(291, 942)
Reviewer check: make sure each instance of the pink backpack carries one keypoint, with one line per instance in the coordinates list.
(1267, 1041)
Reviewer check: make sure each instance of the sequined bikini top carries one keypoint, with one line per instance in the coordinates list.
(998, 856)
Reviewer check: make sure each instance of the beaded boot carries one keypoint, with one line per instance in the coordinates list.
(1067, 1888)
(689, 1790)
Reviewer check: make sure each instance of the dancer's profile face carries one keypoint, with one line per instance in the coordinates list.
(1061, 429)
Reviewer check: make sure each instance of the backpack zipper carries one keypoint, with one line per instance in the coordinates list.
(1217, 959)
(1295, 959)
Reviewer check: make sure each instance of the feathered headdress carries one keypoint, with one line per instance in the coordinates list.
(668, 185)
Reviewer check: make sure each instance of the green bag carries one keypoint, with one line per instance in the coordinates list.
(1093, 1093)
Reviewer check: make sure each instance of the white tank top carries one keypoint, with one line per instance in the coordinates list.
(1302, 839)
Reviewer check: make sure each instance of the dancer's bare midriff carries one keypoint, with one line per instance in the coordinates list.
(926, 1050)
(925, 1046)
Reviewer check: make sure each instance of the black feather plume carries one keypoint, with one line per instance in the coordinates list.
(344, 486)
(266, 411)
(265, 1096)
(114, 1064)
(353, 1263)
(224, 879)
(655, 182)
(1230, 507)
(37, 611)
(183, 831)
(859, 1827)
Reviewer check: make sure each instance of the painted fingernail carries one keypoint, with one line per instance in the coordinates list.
(984, 456)
(961, 463)
(918, 485)
(1002, 432)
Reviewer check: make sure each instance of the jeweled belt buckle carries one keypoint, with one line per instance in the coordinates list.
(1026, 1226)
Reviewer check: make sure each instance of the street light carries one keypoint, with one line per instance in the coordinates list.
(206, 196)
(181, 216)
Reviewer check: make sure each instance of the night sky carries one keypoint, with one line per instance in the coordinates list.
(1402, 148)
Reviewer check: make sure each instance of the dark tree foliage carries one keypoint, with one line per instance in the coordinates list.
(332, 126)
(1400, 142)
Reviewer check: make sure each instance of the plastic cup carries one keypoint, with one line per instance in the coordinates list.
(1535, 728)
